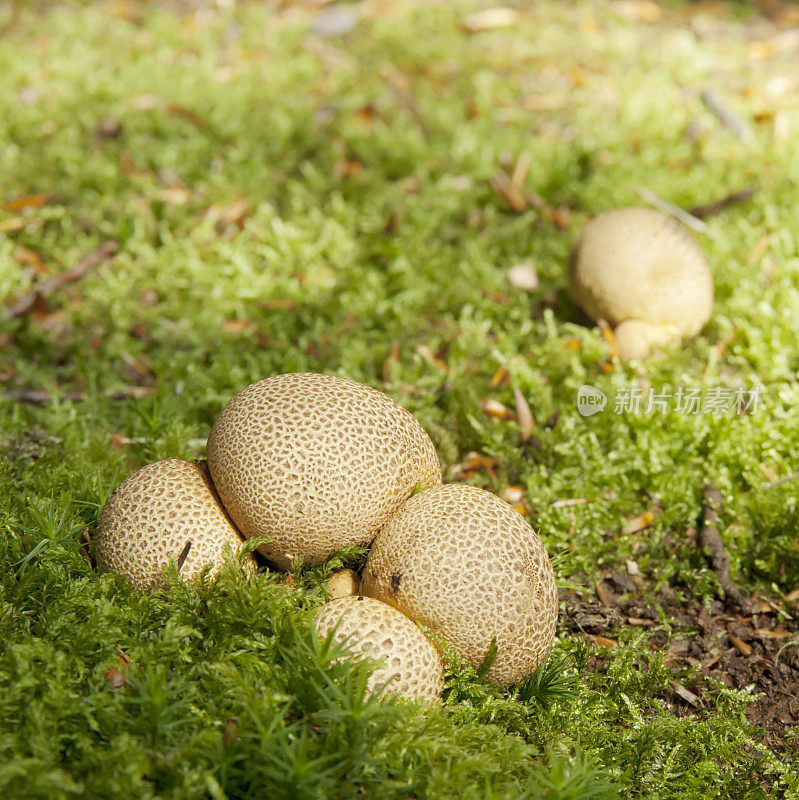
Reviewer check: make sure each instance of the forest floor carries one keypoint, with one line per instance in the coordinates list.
(194, 196)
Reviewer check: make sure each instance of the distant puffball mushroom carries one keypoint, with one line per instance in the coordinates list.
(643, 273)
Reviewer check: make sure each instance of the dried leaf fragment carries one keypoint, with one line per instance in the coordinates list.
(570, 501)
(11, 224)
(524, 417)
(503, 186)
(741, 646)
(237, 325)
(639, 523)
(472, 464)
(513, 494)
(26, 201)
(186, 113)
(605, 597)
(500, 377)
(232, 213)
(493, 408)
(520, 170)
(391, 361)
(348, 168)
(601, 641)
(777, 633)
(115, 677)
(30, 258)
(560, 217)
(430, 357)
(490, 18)
(174, 195)
(759, 250)
(523, 276)
(638, 10)
(544, 102)
(686, 694)
(278, 304)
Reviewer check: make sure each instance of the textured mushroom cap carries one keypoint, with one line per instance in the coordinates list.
(343, 583)
(315, 463)
(467, 565)
(152, 516)
(412, 665)
(639, 264)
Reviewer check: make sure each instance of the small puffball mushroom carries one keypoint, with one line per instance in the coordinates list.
(166, 510)
(636, 338)
(314, 463)
(343, 583)
(643, 273)
(468, 566)
(412, 666)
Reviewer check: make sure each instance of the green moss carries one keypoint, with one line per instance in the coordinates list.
(227, 693)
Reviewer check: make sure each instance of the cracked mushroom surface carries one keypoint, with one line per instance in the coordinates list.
(467, 565)
(411, 664)
(645, 274)
(314, 463)
(163, 511)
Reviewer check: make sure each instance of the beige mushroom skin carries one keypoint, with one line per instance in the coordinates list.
(468, 566)
(344, 583)
(411, 664)
(314, 463)
(159, 513)
(643, 273)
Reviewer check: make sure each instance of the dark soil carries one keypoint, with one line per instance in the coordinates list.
(757, 646)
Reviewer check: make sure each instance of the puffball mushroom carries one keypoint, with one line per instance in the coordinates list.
(411, 664)
(643, 273)
(166, 510)
(343, 583)
(468, 566)
(314, 463)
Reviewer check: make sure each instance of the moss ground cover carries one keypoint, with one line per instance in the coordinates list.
(285, 200)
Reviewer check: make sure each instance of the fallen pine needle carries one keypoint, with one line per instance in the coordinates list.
(669, 208)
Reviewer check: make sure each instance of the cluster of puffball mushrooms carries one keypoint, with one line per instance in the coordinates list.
(309, 464)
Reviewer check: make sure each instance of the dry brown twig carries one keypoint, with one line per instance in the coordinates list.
(672, 210)
(710, 538)
(46, 287)
(712, 99)
(774, 484)
(717, 206)
(36, 396)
